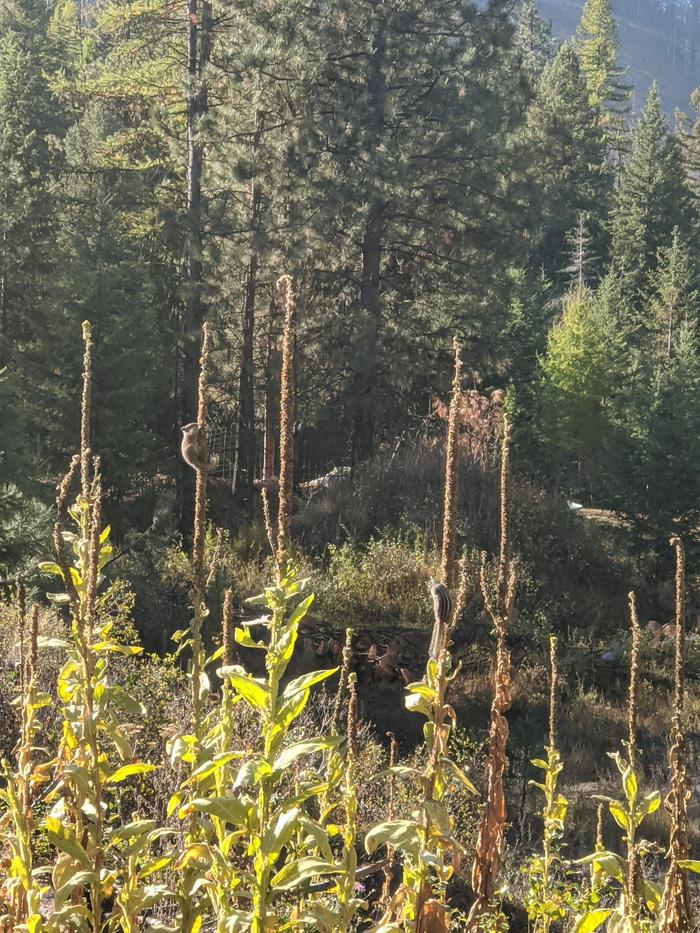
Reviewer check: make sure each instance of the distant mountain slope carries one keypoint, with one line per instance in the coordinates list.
(642, 50)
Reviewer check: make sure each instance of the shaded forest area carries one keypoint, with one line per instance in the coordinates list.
(422, 172)
(426, 279)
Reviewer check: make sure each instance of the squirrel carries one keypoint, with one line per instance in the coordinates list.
(442, 607)
(195, 448)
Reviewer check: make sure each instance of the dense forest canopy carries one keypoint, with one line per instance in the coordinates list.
(422, 170)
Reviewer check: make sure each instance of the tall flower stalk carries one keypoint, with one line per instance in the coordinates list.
(500, 608)
(675, 914)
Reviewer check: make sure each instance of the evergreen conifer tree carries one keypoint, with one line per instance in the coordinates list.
(533, 39)
(651, 199)
(569, 159)
(597, 45)
(674, 298)
(659, 485)
(31, 124)
(581, 379)
(404, 143)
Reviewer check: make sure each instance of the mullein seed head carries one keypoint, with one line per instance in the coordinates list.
(33, 643)
(21, 627)
(227, 627)
(553, 685)
(675, 914)
(634, 680)
(342, 682)
(352, 723)
(200, 505)
(269, 530)
(94, 545)
(599, 839)
(286, 285)
(449, 525)
(58, 543)
(85, 411)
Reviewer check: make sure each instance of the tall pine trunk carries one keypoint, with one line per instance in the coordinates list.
(365, 388)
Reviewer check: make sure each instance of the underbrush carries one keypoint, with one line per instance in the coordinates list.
(229, 785)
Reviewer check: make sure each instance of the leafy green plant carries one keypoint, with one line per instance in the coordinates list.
(242, 796)
(548, 895)
(20, 888)
(639, 897)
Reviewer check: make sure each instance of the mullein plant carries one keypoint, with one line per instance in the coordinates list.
(190, 749)
(675, 915)
(549, 896)
(430, 853)
(21, 892)
(638, 897)
(100, 875)
(257, 848)
(500, 607)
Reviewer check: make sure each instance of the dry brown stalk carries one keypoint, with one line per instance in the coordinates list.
(269, 530)
(449, 526)
(461, 601)
(675, 913)
(33, 644)
(634, 680)
(227, 626)
(198, 542)
(21, 627)
(342, 682)
(85, 412)
(200, 502)
(633, 857)
(352, 721)
(286, 285)
(389, 867)
(553, 687)
(94, 546)
(58, 543)
(489, 848)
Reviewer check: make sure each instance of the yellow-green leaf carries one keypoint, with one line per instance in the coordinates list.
(126, 771)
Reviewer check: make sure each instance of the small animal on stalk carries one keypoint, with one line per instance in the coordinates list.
(195, 448)
(442, 607)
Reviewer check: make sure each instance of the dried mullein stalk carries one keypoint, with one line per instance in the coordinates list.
(675, 913)
(490, 841)
(286, 419)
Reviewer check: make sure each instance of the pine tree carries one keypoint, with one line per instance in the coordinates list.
(366, 148)
(659, 485)
(597, 45)
(689, 135)
(580, 380)
(582, 259)
(533, 39)
(569, 159)
(651, 199)
(404, 145)
(674, 298)
(116, 280)
(30, 127)
(28, 119)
